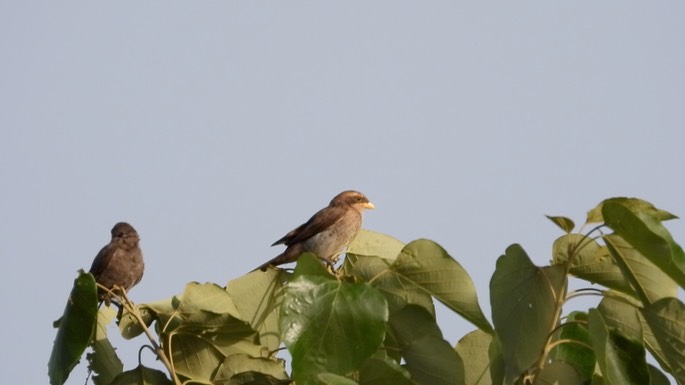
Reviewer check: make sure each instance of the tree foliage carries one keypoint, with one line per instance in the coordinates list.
(373, 320)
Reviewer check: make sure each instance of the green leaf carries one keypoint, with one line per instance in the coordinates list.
(559, 373)
(647, 280)
(310, 264)
(149, 312)
(333, 379)
(236, 364)
(370, 243)
(383, 371)
(564, 223)
(473, 350)
(622, 315)
(253, 378)
(590, 262)
(647, 235)
(523, 298)
(258, 296)
(331, 326)
(208, 297)
(75, 329)
(430, 359)
(142, 376)
(621, 360)
(666, 319)
(657, 377)
(103, 360)
(398, 291)
(580, 357)
(635, 205)
(425, 264)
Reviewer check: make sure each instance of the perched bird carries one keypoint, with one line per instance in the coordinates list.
(120, 262)
(327, 232)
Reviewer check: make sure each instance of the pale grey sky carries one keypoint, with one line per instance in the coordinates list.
(216, 127)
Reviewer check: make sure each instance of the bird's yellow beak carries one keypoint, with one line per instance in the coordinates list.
(369, 205)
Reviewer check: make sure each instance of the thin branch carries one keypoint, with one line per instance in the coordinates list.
(120, 294)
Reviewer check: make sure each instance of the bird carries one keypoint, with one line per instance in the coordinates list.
(119, 264)
(327, 232)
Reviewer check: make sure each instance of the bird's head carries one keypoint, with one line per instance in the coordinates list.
(352, 198)
(123, 230)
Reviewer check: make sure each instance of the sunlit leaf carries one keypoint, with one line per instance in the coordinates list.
(591, 261)
(331, 326)
(523, 298)
(103, 360)
(635, 205)
(372, 244)
(242, 363)
(646, 234)
(258, 296)
(473, 350)
(75, 328)
(397, 290)
(430, 359)
(649, 282)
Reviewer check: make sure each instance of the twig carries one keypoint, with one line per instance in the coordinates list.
(130, 307)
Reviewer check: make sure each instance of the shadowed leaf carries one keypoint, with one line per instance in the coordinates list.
(430, 359)
(620, 359)
(75, 328)
(564, 223)
(666, 319)
(523, 298)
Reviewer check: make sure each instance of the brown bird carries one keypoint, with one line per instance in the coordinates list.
(120, 262)
(327, 232)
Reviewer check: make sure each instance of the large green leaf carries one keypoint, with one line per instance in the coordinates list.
(332, 379)
(622, 315)
(142, 376)
(666, 319)
(398, 291)
(257, 296)
(523, 298)
(590, 261)
(559, 373)
(373, 244)
(430, 359)
(236, 364)
(330, 326)
(648, 281)
(575, 352)
(383, 371)
(635, 205)
(473, 350)
(75, 328)
(103, 360)
(621, 360)
(427, 265)
(647, 235)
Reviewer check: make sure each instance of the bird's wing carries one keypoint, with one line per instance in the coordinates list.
(102, 260)
(316, 224)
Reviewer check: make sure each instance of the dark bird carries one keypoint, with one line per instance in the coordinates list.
(120, 262)
(327, 232)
